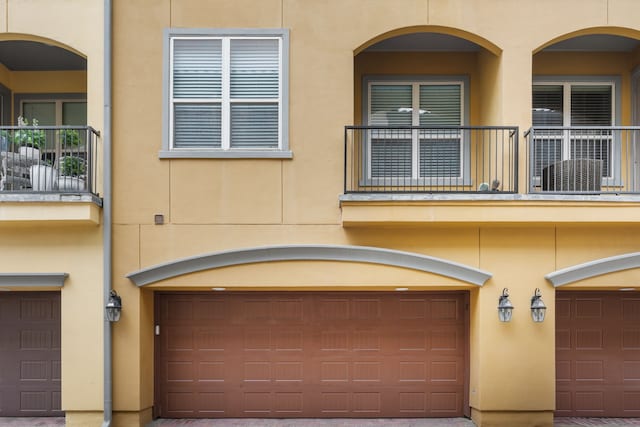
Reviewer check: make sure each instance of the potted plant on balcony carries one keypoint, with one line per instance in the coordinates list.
(29, 141)
(43, 177)
(71, 174)
(69, 138)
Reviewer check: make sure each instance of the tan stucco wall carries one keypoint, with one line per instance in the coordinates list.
(48, 82)
(216, 205)
(77, 251)
(47, 247)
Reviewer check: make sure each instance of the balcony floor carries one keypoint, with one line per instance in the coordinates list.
(481, 208)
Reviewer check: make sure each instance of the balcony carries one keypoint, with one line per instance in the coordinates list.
(469, 175)
(459, 159)
(49, 173)
(583, 160)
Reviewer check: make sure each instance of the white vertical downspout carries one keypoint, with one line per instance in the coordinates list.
(106, 211)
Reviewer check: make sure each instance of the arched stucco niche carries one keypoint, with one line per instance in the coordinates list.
(38, 69)
(596, 55)
(607, 32)
(435, 53)
(45, 42)
(435, 29)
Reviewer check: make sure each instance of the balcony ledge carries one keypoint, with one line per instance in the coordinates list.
(52, 208)
(503, 208)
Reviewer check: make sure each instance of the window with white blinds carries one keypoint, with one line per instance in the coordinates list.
(429, 151)
(587, 108)
(226, 92)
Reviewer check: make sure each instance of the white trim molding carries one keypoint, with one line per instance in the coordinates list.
(346, 253)
(31, 280)
(594, 268)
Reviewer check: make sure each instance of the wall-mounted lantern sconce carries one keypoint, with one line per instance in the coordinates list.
(505, 308)
(113, 307)
(538, 308)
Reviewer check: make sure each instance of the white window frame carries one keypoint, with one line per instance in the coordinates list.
(567, 82)
(226, 150)
(416, 82)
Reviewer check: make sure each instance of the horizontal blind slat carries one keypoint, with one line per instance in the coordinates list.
(197, 125)
(197, 69)
(391, 105)
(254, 125)
(254, 68)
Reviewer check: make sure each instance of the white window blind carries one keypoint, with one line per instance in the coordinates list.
(428, 152)
(577, 105)
(591, 105)
(226, 93)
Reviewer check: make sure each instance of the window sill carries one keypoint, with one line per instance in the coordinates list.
(226, 154)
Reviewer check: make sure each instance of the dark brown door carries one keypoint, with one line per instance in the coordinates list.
(311, 355)
(29, 354)
(598, 354)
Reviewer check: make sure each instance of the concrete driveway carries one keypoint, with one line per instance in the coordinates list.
(302, 422)
(386, 422)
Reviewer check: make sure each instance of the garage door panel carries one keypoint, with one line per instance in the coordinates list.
(631, 371)
(630, 401)
(444, 403)
(446, 338)
(597, 354)
(631, 310)
(313, 355)
(631, 338)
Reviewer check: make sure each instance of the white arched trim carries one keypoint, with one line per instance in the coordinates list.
(345, 253)
(594, 268)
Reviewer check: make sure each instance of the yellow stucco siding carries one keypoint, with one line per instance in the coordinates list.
(49, 82)
(77, 252)
(54, 236)
(218, 204)
(212, 205)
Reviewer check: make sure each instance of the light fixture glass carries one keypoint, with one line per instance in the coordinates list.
(113, 307)
(505, 308)
(538, 308)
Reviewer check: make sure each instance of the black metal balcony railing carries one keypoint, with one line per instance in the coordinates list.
(457, 159)
(48, 159)
(583, 160)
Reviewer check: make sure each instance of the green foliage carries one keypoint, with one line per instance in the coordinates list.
(69, 138)
(28, 137)
(72, 166)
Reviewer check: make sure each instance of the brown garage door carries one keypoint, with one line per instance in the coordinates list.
(29, 354)
(598, 354)
(311, 355)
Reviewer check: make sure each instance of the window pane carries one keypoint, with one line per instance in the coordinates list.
(591, 105)
(74, 113)
(391, 105)
(254, 69)
(254, 125)
(440, 105)
(547, 105)
(196, 126)
(440, 157)
(197, 69)
(44, 112)
(391, 158)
